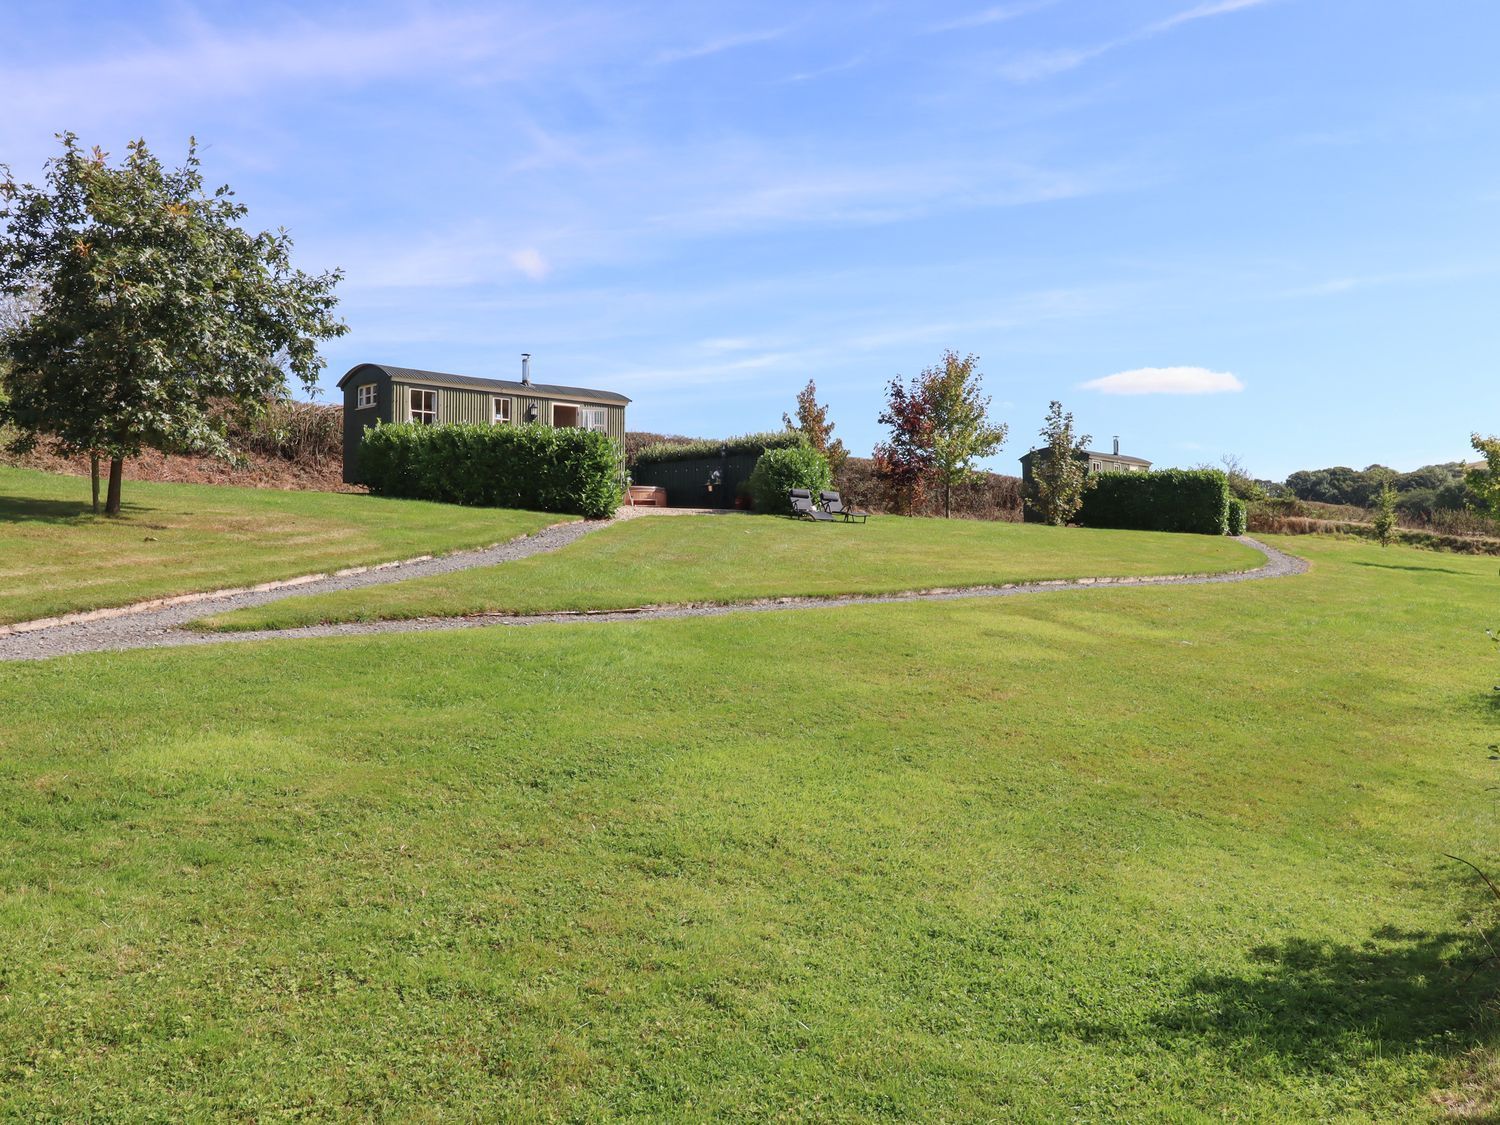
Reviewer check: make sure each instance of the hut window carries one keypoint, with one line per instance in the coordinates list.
(1095, 467)
(365, 396)
(591, 418)
(424, 406)
(502, 410)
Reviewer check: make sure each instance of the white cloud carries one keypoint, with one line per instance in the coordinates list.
(1166, 381)
(529, 261)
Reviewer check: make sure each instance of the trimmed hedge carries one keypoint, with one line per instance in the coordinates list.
(1192, 500)
(1239, 516)
(746, 443)
(534, 467)
(778, 470)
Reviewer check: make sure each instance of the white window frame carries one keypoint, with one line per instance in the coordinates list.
(1096, 466)
(573, 406)
(429, 417)
(498, 417)
(593, 418)
(364, 396)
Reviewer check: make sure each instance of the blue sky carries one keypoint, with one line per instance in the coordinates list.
(1291, 204)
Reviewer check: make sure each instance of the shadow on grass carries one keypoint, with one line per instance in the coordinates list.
(1312, 1005)
(25, 509)
(1416, 569)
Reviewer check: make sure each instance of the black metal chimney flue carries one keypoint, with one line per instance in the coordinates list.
(526, 370)
(1117, 445)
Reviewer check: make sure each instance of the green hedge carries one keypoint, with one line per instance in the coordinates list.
(779, 470)
(534, 467)
(745, 443)
(1194, 500)
(1239, 516)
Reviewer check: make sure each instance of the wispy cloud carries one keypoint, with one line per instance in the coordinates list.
(1166, 381)
(1000, 13)
(720, 45)
(1352, 282)
(1037, 65)
(1203, 12)
(530, 262)
(824, 71)
(1043, 64)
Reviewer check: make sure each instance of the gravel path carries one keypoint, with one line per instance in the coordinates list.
(162, 627)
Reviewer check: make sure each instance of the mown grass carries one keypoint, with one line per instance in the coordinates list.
(1101, 855)
(676, 560)
(56, 556)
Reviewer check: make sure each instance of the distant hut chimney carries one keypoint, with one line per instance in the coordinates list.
(1117, 445)
(526, 370)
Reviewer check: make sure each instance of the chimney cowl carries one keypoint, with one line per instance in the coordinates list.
(526, 369)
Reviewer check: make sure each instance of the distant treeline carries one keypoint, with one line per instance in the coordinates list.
(1432, 488)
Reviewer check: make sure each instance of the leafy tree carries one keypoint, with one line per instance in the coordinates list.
(939, 427)
(158, 319)
(903, 462)
(1385, 514)
(960, 428)
(1059, 470)
(812, 422)
(1484, 480)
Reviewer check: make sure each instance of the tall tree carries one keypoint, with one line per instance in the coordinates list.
(1059, 470)
(812, 422)
(903, 462)
(939, 427)
(158, 316)
(961, 430)
(1484, 480)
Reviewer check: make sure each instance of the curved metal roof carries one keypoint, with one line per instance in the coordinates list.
(541, 390)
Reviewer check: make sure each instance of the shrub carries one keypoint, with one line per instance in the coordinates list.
(292, 431)
(1193, 500)
(795, 466)
(679, 450)
(532, 466)
(1239, 516)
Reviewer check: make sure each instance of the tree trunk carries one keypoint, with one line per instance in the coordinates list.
(947, 499)
(94, 478)
(112, 504)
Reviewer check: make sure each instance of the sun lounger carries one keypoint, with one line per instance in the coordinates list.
(802, 506)
(834, 505)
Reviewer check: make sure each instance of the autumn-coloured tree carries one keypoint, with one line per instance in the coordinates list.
(812, 422)
(939, 427)
(158, 318)
(1059, 470)
(903, 462)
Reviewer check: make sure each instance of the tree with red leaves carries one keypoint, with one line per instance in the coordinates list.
(904, 463)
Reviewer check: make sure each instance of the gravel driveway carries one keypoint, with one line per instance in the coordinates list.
(161, 627)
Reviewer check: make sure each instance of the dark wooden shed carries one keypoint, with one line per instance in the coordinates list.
(377, 392)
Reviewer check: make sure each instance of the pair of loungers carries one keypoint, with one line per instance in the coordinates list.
(833, 507)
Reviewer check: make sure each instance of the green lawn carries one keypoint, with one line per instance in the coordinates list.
(56, 556)
(1153, 853)
(737, 558)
